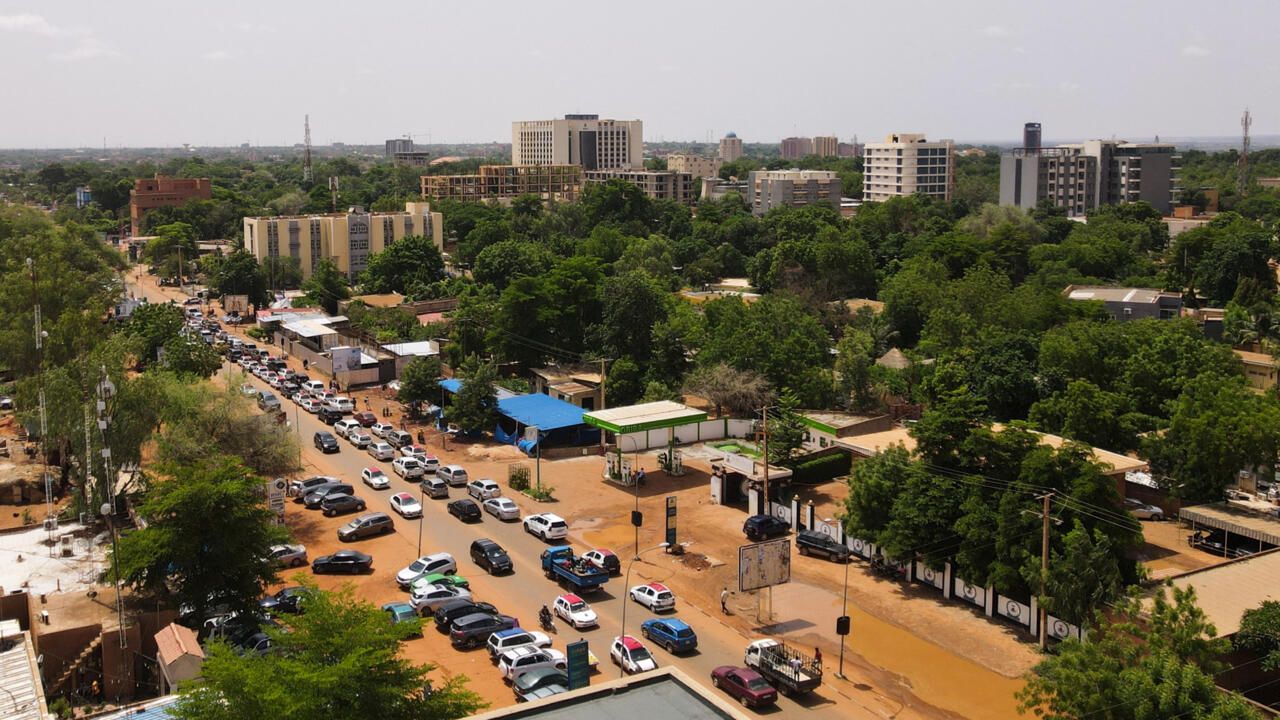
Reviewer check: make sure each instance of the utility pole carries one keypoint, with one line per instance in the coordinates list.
(1246, 121)
(602, 383)
(1044, 563)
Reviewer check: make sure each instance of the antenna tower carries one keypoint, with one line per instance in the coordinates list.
(306, 150)
(1245, 121)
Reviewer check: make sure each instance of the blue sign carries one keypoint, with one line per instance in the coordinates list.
(579, 657)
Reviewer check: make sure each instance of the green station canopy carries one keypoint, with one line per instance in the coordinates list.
(643, 417)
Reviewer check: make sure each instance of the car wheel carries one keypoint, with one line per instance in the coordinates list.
(645, 633)
(804, 550)
(297, 562)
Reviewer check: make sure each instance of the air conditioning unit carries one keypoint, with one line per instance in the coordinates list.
(50, 524)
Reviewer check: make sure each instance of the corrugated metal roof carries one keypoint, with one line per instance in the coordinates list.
(1222, 516)
(1225, 591)
(646, 416)
(20, 677)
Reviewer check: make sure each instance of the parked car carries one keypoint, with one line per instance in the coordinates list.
(374, 523)
(309, 404)
(328, 415)
(444, 580)
(289, 555)
(413, 451)
(341, 404)
(465, 510)
(359, 438)
(408, 468)
(483, 489)
(397, 438)
(287, 600)
(575, 611)
(455, 475)
(324, 492)
(300, 488)
(268, 402)
(673, 634)
(490, 556)
(426, 565)
(655, 596)
(426, 598)
(744, 685)
(313, 386)
(248, 390)
(812, 542)
(341, 505)
(604, 559)
(407, 505)
(430, 462)
(381, 429)
(539, 684)
(365, 418)
(343, 561)
(434, 487)
(400, 612)
(1142, 510)
(762, 527)
(325, 442)
(380, 451)
(450, 611)
(547, 526)
(517, 661)
(472, 631)
(375, 478)
(505, 640)
(344, 426)
(502, 508)
(631, 655)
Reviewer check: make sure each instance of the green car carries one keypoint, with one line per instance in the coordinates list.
(445, 581)
(400, 612)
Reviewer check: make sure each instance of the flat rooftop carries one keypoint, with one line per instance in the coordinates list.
(646, 416)
(1147, 296)
(662, 693)
(1237, 520)
(26, 561)
(1225, 591)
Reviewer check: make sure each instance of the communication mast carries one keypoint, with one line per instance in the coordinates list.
(1243, 173)
(306, 150)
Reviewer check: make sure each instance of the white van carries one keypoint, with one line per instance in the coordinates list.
(455, 475)
(313, 386)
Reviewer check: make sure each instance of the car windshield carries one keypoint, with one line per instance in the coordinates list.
(639, 655)
(577, 606)
(758, 684)
(417, 566)
(684, 633)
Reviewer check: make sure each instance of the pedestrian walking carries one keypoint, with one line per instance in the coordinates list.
(724, 601)
(817, 656)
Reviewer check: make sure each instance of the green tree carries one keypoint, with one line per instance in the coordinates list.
(282, 272)
(420, 380)
(474, 408)
(340, 659)
(201, 421)
(1260, 633)
(739, 392)
(1091, 415)
(1083, 577)
(240, 274)
(786, 429)
(407, 266)
(632, 304)
(207, 539)
(185, 355)
(854, 361)
(154, 324)
(507, 260)
(326, 287)
(173, 249)
(625, 383)
(874, 485)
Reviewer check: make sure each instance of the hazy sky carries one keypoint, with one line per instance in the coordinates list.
(226, 72)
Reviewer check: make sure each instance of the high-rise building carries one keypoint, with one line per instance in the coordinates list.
(164, 191)
(503, 183)
(768, 189)
(826, 146)
(730, 147)
(1080, 177)
(1031, 136)
(398, 145)
(346, 238)
(656, 184)
(794, 148)
(906, 164)
(848, 150)
(584, 140)
(696, 165)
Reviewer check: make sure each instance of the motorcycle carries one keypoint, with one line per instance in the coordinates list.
(544, 619)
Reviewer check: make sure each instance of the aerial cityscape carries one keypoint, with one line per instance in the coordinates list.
(433, 361)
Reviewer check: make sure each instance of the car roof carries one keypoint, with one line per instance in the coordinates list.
(604, 552)
(437, 556)
(511, 631)
(398, 606)
(403, 496)
(631, 643)
(350, 553)
(374, 470)
(659, 587)
(571, 598)
(673, 623)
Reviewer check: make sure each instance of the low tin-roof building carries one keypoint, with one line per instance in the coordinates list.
(663, 693)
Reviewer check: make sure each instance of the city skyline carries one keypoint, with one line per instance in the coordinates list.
(235, 73)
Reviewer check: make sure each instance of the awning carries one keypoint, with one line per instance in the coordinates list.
(1235, 520)
(646, 416)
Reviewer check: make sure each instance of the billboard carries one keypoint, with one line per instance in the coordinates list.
(275, 498)
(764, 564)
(235, 303)
(345, 359)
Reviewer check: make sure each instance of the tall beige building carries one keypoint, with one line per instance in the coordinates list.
(906, 164)
(794, 148)
(769, 189)
(826, 146)
(656, 184)
(584, 140)
(730, 147)
(346, 238)
(695, 165)
(504, 183)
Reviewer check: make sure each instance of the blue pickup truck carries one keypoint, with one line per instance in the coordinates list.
(560, 564)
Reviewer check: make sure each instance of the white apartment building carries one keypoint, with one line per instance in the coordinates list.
(583, 140)
(906, 164)
(695, 165)
(730, 147)
(768, 189)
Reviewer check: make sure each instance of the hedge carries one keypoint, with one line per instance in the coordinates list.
(822, 469)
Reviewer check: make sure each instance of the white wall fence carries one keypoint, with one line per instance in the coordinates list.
(686, 434)
(943, 580)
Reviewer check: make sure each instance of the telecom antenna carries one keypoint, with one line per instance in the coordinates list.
(1245, 121)
(306, 150)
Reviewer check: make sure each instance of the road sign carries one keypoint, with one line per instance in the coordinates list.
(764, 564)
(275, 498)
(671, 520)
(579, 657)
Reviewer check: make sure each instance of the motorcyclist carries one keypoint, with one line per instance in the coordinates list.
(544, 616)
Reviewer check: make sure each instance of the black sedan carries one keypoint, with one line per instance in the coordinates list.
(343, 561)
(465, 510)
(325, 442)
(288, 600)
(341, 505)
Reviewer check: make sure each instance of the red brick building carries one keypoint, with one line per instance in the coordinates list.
(164, 191)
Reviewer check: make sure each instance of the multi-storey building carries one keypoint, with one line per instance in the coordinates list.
(656, 184)
(560, 183)
(398, 145)
(768, 189)
(164, 191)
(346, 238)
(794, 148)
(584, 140)
(906, 164)
(1081, 177)
(730, 147)
(695, 165)
(826, 146)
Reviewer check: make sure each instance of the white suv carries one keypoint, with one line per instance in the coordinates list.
(483, 489)
(344, 427)
(547, 526)
(514, 663)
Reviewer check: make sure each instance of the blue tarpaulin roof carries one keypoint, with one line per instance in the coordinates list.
(453, 385)
(544, 411)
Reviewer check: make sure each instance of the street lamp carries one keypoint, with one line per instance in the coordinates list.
(842, 622)
(626, 589)
(636, 518)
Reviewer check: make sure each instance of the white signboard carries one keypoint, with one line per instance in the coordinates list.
(276, 490)
(345, 359)
(235, 303)
(764, 564)
(741, 463)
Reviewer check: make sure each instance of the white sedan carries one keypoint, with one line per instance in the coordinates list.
(575, 611)
(375, 478)
(433, 596)
(407, 505)
(408, 468)
(310, 405)
(381, 451)
(502, 508)
(359, 438)
(289, 555)
(654, 596)
(381, 429)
